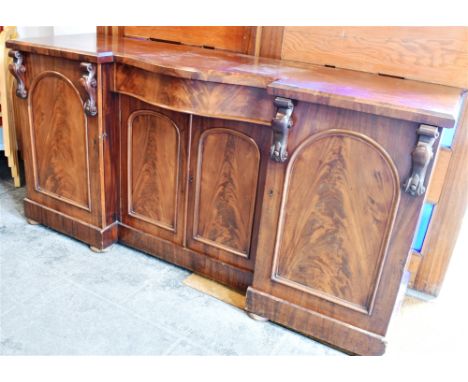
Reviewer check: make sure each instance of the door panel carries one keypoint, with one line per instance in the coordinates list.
(226, 168)
(154, 165)
(153, 161)
(334, 225)
(62, 145)
(227, 176)
(59, 136)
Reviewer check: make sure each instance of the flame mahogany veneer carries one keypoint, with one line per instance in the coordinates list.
(166, 148)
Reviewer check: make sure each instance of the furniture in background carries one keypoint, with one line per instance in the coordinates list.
(8, 133)
(300, 183)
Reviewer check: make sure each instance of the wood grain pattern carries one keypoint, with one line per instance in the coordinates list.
(196, 97)
(60, 143)
(69, 152)
(97, 237)
(397, 138)
(232, 38)
(421, 102)
(225, 191)
(326, 244)
(337, 333)
(153, 163)
(430, 54)
(227, 170)
(271, 42)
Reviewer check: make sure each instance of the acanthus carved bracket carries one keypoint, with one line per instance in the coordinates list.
(17, 69)
(421, 156)
(281, 125)
(88, 80)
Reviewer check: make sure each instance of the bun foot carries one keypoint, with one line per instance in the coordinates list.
(32, 222)
(256, 317)
(98, 250)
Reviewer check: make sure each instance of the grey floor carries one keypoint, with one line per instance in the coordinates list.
(59, 298)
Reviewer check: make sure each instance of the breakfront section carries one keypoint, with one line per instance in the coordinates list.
(64, 146)
(339, 216)
(192, 173)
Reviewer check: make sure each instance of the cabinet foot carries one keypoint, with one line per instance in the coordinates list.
(32, 222)
(99, 250)
(256, 317)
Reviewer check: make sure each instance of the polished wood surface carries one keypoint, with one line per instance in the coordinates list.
(428, 103)
(153, 174)
(271, 42)
(431, 54)
(366, 320)
(334, 245)
(209, 99)
(154, 144)
(227, 166)
(64, 151)
(59, 138)
(179, 167)
(233, 38)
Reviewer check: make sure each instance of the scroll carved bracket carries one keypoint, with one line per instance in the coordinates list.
(88, 80)
(281, 125)
(421, 157)
(17, 69)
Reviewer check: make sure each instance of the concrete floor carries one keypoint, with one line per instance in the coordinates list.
(59, 298)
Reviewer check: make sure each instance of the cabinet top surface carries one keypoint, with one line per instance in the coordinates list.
(436, 104)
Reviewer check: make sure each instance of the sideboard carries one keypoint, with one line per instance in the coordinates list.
(297, 183)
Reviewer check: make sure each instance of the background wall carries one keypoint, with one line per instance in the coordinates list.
(40, 31)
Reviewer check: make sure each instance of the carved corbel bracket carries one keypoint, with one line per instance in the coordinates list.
(88, 80)
(17, 69)
(421, 156)
(281, 125)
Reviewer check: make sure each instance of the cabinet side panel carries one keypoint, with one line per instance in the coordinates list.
(228, 170)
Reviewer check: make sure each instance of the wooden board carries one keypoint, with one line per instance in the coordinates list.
(447, 218)
(431, 54)
(438, 177)
(216, 290)
(239, 39)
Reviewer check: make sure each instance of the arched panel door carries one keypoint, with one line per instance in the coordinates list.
(59, 138)
(153, 160)
(224, 189)
(62, 144)
(338, 207)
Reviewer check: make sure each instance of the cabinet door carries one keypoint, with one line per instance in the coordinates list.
(226, 177)
(61, 144)
(154, 165)
(337, 227)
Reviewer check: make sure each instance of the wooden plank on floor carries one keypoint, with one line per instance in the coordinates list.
(216, 290)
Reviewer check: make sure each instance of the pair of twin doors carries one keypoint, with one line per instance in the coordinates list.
(192, 181)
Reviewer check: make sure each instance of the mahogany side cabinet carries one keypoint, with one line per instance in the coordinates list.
(298, 184)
